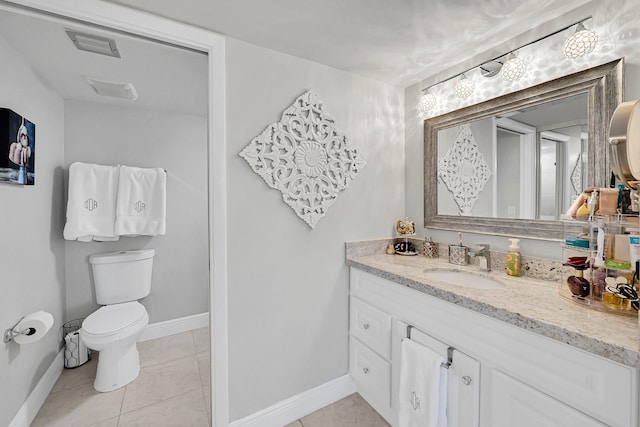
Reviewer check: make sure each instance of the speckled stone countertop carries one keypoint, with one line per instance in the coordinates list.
(525, 302)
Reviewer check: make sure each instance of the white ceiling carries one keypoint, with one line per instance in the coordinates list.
(166, 78)
(396, 41)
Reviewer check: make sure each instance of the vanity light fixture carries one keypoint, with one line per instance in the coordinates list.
(464, 87)
(513, 68)
(427, 101)
(490, 68)
(581, 42)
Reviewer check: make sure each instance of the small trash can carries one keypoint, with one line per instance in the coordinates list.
(76, 352)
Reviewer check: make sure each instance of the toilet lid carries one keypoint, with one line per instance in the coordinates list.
(111, 319)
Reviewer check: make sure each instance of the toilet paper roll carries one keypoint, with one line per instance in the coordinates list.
(36, 324)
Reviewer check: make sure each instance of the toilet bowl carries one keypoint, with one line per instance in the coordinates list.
(120, 280)
(113, 330)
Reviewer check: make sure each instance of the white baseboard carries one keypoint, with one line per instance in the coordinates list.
(29, 409)
(296, 407)
(174, 326)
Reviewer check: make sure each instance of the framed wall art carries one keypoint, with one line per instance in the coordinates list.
(17, 148)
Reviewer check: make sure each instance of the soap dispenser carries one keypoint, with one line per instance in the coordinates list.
(514, 267)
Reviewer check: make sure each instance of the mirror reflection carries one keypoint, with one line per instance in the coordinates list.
(472, 189)
(528, 163)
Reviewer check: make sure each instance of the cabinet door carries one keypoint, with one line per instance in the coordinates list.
(463, 409)
(463, 396)
(372, 375)
(512, 403)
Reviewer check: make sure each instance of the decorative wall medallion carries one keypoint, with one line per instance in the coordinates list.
(464, 171)
(305, 157)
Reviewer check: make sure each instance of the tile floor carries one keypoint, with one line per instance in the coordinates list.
(352, 411)
(172, 390)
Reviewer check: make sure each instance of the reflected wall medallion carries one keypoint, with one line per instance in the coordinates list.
(576, 178)
(464, 171)
(305, 157)
(17, 148)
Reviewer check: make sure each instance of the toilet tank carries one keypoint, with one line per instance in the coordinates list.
(122, 276)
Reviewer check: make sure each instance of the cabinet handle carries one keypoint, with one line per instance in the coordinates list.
(365, 326)
(466, 380)
(365, 370)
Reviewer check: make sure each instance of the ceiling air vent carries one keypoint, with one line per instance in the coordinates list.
(93, 43)
(117, 90)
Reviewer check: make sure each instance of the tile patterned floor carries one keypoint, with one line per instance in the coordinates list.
(172, 390)
(352, 411)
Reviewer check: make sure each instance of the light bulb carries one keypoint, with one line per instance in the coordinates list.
(464, 87)
(580, 43)
(426, 103)
(513, 68)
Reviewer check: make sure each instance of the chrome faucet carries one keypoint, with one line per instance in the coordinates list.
(484, 257)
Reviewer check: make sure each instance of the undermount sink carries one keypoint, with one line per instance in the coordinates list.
(465, 279)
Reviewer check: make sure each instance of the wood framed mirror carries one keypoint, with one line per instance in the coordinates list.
(603, 87)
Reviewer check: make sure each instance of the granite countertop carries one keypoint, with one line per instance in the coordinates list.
(528, 303)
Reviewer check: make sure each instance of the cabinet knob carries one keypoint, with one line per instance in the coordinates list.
(365, 370)
(365, 326)
(466, 380)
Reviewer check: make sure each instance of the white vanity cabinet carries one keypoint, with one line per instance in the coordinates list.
(525, 379)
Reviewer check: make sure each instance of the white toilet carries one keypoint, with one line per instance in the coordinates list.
(121, 278)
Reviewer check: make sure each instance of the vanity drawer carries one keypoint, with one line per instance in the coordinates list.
(371, 326)
(372, 375)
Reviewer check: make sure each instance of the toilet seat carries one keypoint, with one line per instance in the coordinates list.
(112, 319)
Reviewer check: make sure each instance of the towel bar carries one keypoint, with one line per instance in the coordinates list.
(449, 358)
(450, 350)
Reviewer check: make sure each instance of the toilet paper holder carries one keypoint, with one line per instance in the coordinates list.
(11, 333)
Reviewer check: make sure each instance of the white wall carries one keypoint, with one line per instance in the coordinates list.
(32, 250)
(112, 135)
(288, 284)
(618, 24)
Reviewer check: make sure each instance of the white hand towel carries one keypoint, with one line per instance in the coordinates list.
(442, 397)
(91, 205)
(141, 206)
(422, 401)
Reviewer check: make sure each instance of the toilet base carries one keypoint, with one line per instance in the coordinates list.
(117, 367)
